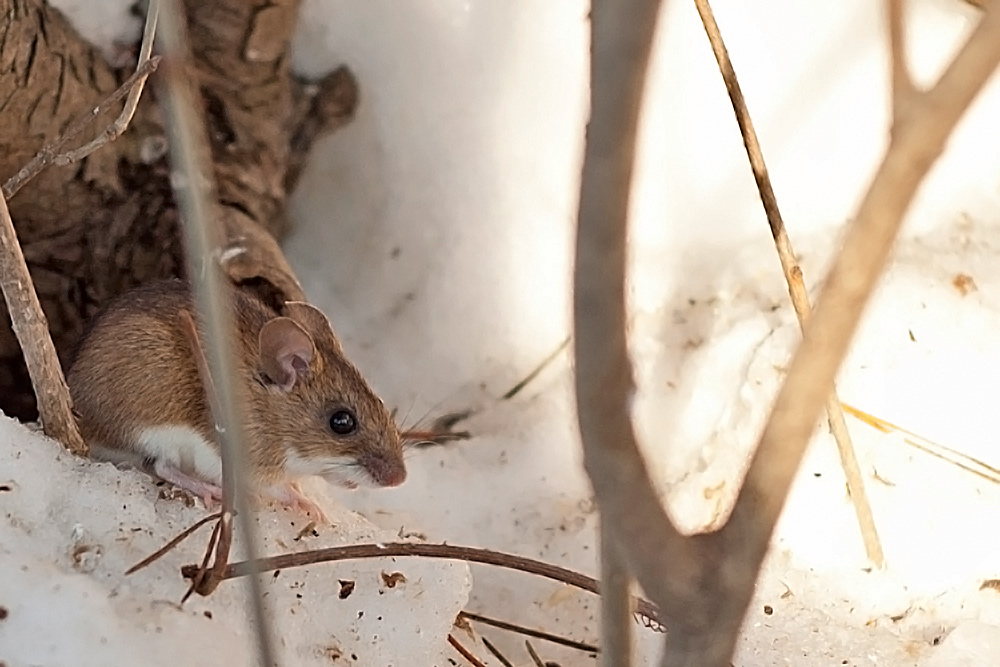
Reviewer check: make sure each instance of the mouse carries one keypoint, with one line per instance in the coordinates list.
(139, 397)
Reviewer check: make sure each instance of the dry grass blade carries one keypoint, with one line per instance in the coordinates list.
(496, 653)
(947, 454)
(162, 551)
(529, 632)
(534, 656)
(464, 652)
(793, 277)
(536, 371)
(199, 575)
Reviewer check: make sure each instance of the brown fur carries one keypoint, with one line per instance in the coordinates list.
(135, 369)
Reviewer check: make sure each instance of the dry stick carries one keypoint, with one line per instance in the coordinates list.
(537, 634)
(49, 154)
(55, 407)
(202, 569)
(796, 286)
(194, 188)
(162, 551)
(914, 146)
(27, 318)
(445, 551)
(465, 653)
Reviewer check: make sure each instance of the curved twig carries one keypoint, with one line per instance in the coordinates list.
(643, 607)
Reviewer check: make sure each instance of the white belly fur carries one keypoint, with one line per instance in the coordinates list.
(185, 449)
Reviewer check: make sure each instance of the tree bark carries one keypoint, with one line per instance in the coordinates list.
(94, 229)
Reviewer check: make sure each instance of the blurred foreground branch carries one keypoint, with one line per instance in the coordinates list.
(195, 190)
(703, 584)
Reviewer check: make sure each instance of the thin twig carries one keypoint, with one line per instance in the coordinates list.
(199, 576)
(55, 407)
(121, 123)
(50, 153)
(793, 277)
(513, 391)
(529, 632)
(496, 653)
(195, 191)
(464, 652)
(534, 656)
(445, 551)
(162, 551)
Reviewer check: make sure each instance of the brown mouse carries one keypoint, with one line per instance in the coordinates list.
(139, 397)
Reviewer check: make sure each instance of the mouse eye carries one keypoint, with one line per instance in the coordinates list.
(343, 422)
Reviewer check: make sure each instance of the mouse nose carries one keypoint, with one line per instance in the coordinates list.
(385, 471)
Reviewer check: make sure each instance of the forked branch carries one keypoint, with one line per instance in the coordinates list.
(703, 584)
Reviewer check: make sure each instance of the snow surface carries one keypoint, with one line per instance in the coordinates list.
(437, 229)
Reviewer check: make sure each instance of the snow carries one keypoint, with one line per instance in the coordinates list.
(73, 527)
(436, 230)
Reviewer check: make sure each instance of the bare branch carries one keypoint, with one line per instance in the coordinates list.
(195, 188)
(793, 277)
(915, 145)
(55, 407)
(643, 607)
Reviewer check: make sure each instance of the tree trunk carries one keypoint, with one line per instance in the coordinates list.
(93, 229)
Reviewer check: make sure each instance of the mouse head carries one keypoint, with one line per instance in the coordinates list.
(330, 421)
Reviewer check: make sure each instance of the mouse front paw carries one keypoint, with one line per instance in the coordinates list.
(208, 492)
(290, 495)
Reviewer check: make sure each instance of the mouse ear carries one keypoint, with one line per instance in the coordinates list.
(286, 351)
(314, 321)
